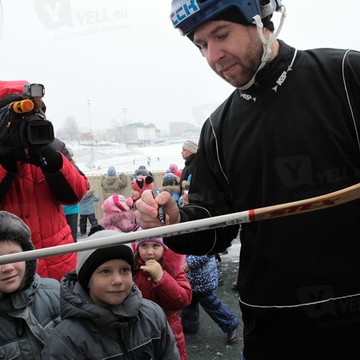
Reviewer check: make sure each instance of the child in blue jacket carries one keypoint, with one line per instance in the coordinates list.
(87, 210)
(202, 274)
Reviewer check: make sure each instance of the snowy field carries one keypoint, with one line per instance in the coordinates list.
(95, 160)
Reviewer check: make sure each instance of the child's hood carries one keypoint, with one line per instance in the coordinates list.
(77, 304)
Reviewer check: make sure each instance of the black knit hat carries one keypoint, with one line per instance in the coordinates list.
(14, 229)
(231, 15)
(235, 16)
(88, 261)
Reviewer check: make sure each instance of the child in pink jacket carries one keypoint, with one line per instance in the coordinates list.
(160, 277)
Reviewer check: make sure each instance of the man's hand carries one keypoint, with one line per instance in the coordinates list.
(147, 209)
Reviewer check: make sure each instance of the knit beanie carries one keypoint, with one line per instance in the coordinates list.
(88, 261)
(111, 171)
(234, 15)
(155, 240)
(142, 183)
(14, 229)
(118, 214)
(173, 168)
(116, 203)
(190, 146)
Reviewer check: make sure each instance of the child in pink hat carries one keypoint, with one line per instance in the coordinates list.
(160, 277)
(119, 214)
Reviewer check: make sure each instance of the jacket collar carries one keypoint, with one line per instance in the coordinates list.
(20, 299)
(273, 74)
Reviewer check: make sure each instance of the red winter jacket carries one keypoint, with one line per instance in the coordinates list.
(37, 200)
(172, 293)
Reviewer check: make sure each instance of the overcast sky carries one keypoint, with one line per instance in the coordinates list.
(108, 61)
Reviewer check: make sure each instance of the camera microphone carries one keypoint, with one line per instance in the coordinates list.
(22, 106)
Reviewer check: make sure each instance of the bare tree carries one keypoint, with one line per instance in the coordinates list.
(70, 130)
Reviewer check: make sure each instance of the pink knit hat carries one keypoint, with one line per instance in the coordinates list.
(173, 168)
(158, 240)
(117, 203)
(118, 214)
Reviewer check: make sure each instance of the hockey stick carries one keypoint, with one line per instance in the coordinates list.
(270, 212)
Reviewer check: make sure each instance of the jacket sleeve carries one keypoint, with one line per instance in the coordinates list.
(352, 87)
(196, 262)
(57, 349)
(68, 184)
(173, 293)
(6, 179)
(209, 196)
(168, 346)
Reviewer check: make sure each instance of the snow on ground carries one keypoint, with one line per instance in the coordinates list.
(95, 160)
(232, 252)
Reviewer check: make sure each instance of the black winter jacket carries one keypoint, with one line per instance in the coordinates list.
(293, 135)
(188, 168)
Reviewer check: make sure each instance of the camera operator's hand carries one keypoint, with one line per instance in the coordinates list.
(46, 157)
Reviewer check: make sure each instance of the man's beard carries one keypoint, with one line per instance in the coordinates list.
(248, 66)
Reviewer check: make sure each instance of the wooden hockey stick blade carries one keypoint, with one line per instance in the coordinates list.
(270, 212)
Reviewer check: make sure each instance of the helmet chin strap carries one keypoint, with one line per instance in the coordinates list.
(267, 44)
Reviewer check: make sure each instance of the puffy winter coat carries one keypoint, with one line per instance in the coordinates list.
(36, 197)
(173, 190)
(87, 203)
(172, 292)
(27, 318)
(135, 329)
(203, 274)
(113, 184)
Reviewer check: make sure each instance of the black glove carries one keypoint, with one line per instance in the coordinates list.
(46, 157)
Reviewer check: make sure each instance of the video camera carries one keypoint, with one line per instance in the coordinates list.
(22, 124)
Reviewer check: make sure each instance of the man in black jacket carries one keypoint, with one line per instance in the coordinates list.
(289, 131)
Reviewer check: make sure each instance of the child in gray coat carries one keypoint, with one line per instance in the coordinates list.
(104, 314)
